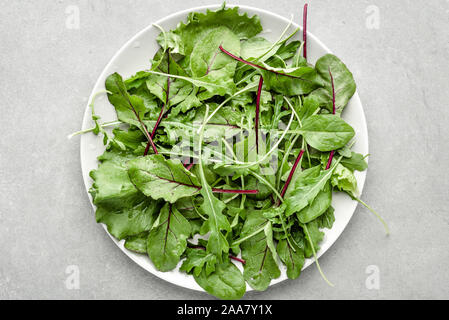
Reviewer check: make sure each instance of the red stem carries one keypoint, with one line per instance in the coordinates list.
(305, 30)
(190, 166)
(259, 94)
(161, 115)
(334, 111)
(256, 65)
(230, 256)
(290, 177)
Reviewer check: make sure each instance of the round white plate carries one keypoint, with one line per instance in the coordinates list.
(134, 56)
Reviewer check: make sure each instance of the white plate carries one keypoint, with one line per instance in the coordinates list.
(134, 56)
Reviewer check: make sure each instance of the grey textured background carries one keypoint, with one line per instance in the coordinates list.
(47, 223)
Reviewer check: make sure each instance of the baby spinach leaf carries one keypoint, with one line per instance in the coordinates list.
(355, 162)
(168, 239)
(318, 206)
(327, 132)
(226, 283)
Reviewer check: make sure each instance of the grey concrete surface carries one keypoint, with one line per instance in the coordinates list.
(47, 223)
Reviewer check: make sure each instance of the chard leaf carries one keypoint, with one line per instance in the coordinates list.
(225, 283)
(208, 64)
(292, 256)
(327, 132)
(159, 178)
(126, 105)
(168, 240)
(260, 267)
(345, 86)
(290, 82)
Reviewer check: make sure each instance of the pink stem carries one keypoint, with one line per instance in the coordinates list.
(334, 111)
(305, 30)
(329, 163)
(190, 166)
(290, 177)
(259, 94)
(161, 115)
(230, 256)
(256, 65)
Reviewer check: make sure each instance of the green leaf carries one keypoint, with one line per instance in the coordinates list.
(198, 24)
(307, 187)
(327, 132)
(137, 243)
(327, 219)
(127, 222)
(318, 206)
(292, 256)
(209, 64)
(355, 162)
(216, 223)
(197, 260)
(316, 236)
(260, 267)
(345, 86)
(126, 105)
(226, 283)
(159, 178)
(291, 82)
(168, 240)
(344, 180)
(112, 189)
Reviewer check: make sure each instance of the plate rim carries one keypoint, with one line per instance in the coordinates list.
(125, 46)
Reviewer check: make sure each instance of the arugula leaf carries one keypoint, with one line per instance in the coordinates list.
(167, 241)
(197, 260)
(307, 187)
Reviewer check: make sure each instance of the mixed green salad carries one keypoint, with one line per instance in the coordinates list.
(226, 153)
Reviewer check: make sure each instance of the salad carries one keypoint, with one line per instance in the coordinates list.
(226, 153)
